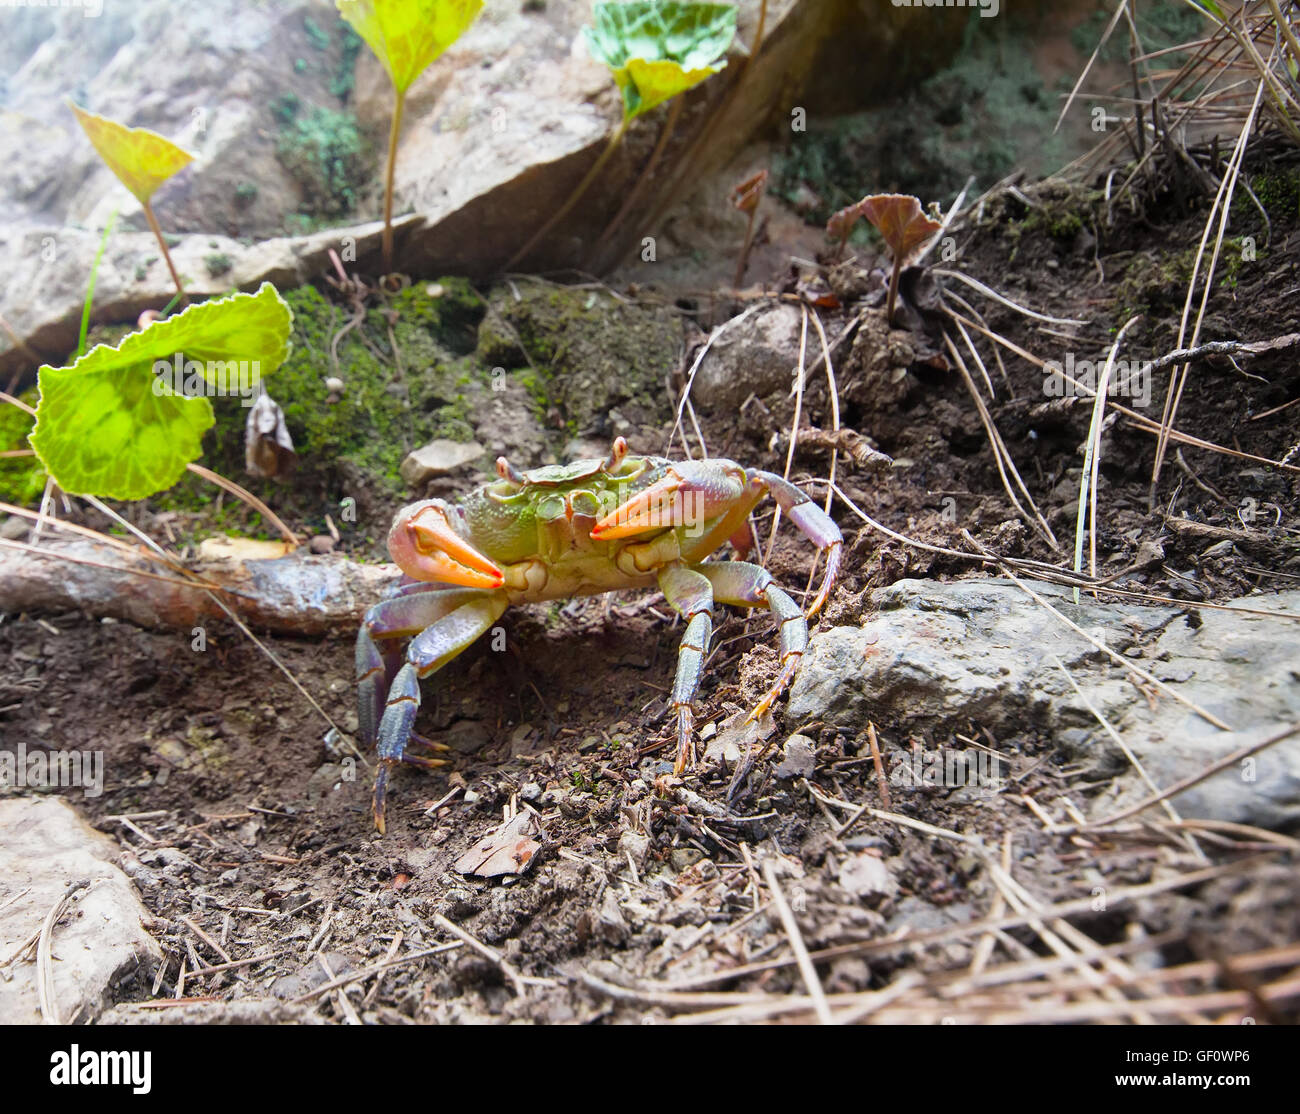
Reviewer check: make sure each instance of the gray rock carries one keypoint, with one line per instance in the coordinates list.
(867, 876)
(939, 655)
(799, 758)
(755, 357)
(636, 845)
(44, 847)
(438, 458)
(683, 858)
(609, 924)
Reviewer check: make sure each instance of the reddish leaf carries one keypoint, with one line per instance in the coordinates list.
(841, 223)
(749, 193)
(901, 222)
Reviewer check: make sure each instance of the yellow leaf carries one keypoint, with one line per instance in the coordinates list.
(406, 35)
(646, 83)
(142, 159)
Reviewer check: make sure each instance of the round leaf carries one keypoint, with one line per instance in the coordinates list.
(659, 48)
(103, 431)
(107, 426)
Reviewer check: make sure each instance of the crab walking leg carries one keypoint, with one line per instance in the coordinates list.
(378, 658)
(428, 652)
(692, 596)
(742, 584)
(815, 525)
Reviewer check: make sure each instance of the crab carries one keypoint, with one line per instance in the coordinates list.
(577, 529)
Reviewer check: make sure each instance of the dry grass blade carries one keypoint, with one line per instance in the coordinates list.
(247, 497)
(1002, 299)
(518, 981)
(1002, 456)
(1083, 76)
(1138, 421)
(45, 955)
(5, 396)
(1186, 783)
(695, 367)
(1221, 208)
(1133, 759)
(791, 926)
(1091, 463)
(800, 374)
(55, 556)
(1050, 574)
(243, 627)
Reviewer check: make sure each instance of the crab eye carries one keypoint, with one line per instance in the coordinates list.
(509, 472)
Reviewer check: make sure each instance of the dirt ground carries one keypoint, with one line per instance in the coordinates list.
(245, 815)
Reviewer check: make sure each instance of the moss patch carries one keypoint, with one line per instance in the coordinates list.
(22, 479)
(581, 352)
(361, 435)
(324, 151)
(984, 114)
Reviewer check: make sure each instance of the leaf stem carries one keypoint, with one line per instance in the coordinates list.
(743, 261)
(635, 193)
(893, 287)
(394, 131)
(162, 243)
(576, 196)
(688, 160)
(90, 286)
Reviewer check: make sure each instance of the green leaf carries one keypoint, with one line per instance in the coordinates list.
(108, 426)
(407, 35)
(142, 160)
(659, 48)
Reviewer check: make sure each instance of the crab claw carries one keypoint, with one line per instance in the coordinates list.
(426, 547)
(691, 493)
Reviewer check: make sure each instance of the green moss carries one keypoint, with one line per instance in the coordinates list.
(982, 115)
(217, 263)
(319, 39)
(325, 153)
(381, 413)
(1156, 285)
(22, 479)
(1278, 191)
(245, 193)
(581, 352)
(345, 76)
(285, 108)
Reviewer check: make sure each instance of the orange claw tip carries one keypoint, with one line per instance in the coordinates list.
(427, 548)
(657, 507)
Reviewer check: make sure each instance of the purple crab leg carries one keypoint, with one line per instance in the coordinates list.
(742, 584)
(814, 523)
(692, 596)
(453, 631)
(379, 657)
